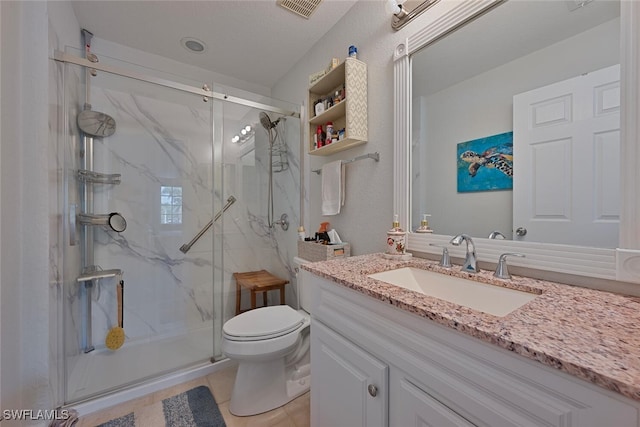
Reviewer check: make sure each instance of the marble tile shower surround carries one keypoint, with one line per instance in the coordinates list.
(164, 137)
(593, 335)
(178, 136)
(157, 142)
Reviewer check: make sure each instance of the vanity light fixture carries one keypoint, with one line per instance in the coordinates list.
(404, 11)
(396, 8)
(245, 133)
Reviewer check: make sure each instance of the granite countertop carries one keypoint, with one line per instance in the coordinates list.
(591, 334)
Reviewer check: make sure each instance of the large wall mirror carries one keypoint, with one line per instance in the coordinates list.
(512, 125)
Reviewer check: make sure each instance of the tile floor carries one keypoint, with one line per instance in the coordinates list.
(148, 409)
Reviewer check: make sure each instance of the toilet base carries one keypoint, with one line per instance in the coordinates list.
(263, 386)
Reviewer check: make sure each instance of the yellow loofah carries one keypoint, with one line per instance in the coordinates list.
(115, 338)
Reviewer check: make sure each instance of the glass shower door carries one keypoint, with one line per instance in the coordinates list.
(163, 152)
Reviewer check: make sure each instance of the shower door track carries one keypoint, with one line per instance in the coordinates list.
(204, 91)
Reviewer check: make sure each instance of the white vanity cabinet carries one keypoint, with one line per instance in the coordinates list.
(428, 374)
(414, 406)
(353, 389)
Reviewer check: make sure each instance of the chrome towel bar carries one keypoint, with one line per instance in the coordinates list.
(375, 156)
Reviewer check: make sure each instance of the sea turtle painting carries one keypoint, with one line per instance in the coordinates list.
(500, 158)
(486, 164)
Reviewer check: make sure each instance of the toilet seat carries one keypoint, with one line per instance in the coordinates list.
(263, 324)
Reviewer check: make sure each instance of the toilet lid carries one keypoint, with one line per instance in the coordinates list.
(263, 323)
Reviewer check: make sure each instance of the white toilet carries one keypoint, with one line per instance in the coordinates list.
(271, 345)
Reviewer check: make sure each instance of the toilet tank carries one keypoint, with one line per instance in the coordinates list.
(304, 293)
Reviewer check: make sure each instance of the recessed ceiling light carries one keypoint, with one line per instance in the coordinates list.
(193, 45)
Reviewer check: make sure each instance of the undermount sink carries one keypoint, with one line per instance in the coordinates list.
(489, 299)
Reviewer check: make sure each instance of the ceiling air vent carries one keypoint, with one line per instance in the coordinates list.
(303, 8)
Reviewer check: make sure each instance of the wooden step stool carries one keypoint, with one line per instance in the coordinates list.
(258, 281)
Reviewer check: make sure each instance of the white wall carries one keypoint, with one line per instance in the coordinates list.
(1, 62)
(1, 401)
(368, 210)
(24, 197)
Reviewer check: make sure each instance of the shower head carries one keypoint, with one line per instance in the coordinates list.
(266, 122)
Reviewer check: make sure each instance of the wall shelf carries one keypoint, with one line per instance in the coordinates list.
(349, 114)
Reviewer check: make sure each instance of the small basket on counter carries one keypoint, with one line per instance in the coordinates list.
(313, 251)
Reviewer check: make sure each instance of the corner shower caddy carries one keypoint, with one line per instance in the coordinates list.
(91, 273)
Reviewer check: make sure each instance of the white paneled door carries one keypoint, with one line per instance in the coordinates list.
(566, 143)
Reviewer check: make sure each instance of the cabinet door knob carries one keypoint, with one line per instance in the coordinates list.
(373, 390)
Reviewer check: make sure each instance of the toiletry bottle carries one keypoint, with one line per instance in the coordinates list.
(320, 136)
(396, 239)
(329, 128)
(301, 235)
(424, 225)
(353, 52)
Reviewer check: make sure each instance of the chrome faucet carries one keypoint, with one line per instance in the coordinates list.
(470, 265)
(502, 272)
(495, 234)
(445, 260)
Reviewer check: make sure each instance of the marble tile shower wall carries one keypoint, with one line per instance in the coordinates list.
(249, 244)
(161, 140)
(164, 139)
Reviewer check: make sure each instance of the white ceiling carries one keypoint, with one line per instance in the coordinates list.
(252, 40)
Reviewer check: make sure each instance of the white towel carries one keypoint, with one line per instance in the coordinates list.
(332, 187)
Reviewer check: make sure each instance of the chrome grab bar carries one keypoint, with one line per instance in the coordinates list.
(185, 248)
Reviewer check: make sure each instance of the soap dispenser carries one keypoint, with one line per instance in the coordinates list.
(424, 225)
(396, 239)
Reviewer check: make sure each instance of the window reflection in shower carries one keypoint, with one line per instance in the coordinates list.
(170, 205)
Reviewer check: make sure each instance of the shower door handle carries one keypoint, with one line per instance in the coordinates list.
(73, 226)
(185, 248)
